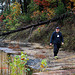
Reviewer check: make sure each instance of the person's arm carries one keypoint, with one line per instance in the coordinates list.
(51, 39)
(62, 39)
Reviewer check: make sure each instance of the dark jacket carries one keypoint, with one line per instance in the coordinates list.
(56, 38)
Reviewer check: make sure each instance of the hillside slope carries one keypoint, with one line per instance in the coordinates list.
(42, 34)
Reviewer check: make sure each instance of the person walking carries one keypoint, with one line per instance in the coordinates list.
(57, 40)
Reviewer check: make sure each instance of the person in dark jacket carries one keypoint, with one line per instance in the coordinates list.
(57, 40)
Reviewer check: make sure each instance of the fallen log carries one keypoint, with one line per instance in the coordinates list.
(38, 24)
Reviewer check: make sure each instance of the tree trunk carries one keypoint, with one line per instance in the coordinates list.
(6, 6)
(2, 8)
(26, 3)
(57, 2)
(21, 6)
(72, 4)
(9, 4)
(2, 5)
(25, 6)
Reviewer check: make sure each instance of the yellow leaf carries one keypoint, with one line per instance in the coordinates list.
(41, 66)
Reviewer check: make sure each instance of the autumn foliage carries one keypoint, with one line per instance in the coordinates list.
(44, 3)
(1, 18)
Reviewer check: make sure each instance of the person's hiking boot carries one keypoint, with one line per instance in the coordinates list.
(55, 57)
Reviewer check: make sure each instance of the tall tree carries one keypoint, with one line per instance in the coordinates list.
(25, 6)
(21, 5)
(9, 5)
(57, 2)
(2, 1)
(26, 3)
(72, 4)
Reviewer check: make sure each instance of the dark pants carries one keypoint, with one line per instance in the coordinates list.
(56, 49)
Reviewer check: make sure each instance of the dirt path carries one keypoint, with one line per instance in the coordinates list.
(60, 66)
(64, 65)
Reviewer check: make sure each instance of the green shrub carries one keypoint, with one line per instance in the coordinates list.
(18, 65)
(60, 9)
(25, 18)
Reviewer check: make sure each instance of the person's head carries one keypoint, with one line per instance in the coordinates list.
(57, 29)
